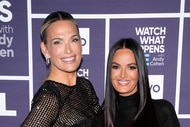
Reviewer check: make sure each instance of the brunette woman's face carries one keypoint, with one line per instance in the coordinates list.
(124, 72)
(63, 46)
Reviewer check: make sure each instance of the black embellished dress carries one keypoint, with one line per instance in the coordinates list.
(58, 105)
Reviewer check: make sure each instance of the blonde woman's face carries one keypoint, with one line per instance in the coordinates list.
(124, 72)
(63, 46)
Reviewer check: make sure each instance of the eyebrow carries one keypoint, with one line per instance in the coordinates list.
(76, 35)
(58, 38)
(132, 64)
(127, 64)
(115, 63)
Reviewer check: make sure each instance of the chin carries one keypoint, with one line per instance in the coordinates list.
(70, 70)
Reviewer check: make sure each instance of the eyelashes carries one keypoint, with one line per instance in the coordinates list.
(60, 41)
(129, 67)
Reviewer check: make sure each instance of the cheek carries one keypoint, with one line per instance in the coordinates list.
(55, 51)
(135, 76)
(114, 75)
(77, 48)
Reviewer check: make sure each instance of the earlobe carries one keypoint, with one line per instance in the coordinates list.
(44, 50)
(45, 53)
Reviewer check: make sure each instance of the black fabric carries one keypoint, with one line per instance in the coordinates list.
(128, 106)
(59, 105)
(166, 114)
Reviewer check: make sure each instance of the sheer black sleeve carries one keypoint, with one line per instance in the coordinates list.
(166, 114)
(95, 100)
(44, 110)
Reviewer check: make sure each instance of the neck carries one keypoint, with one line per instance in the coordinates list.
(67, 78)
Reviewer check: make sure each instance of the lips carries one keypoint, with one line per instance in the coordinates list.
(68, 59)
(123, 82)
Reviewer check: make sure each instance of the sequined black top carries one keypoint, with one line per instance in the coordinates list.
(59, 105)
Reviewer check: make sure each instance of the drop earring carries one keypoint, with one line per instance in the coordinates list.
(47, 61)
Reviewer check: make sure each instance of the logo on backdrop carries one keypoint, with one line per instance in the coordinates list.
(6, 31)
(152, 40)
(156, 86)
(85, 35)
(3, 110)
(5, 14)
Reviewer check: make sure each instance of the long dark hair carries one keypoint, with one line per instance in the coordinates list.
(143, 82)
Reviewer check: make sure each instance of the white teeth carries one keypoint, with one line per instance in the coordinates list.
(123, 82)
(68, 59)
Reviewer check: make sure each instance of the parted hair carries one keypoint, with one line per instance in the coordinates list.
(110, 101)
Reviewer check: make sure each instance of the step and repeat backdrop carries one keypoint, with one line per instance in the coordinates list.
(162, 28)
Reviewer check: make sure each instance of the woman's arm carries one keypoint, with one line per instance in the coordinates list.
(166, 114)
(44, 110)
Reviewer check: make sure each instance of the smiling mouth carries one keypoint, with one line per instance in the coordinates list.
(68, 59)
(123, 82)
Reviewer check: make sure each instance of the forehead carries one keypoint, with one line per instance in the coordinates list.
(124, 54)
(62, 28)
(62, 24)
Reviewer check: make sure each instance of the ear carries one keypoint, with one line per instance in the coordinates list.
(44, 50)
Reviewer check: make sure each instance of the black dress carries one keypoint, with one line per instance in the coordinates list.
(59, 105)
(127, 108)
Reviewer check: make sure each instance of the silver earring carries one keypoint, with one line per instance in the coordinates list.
(47, 61)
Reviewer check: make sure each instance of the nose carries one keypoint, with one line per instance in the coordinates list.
(123, 73)
(68, 48)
